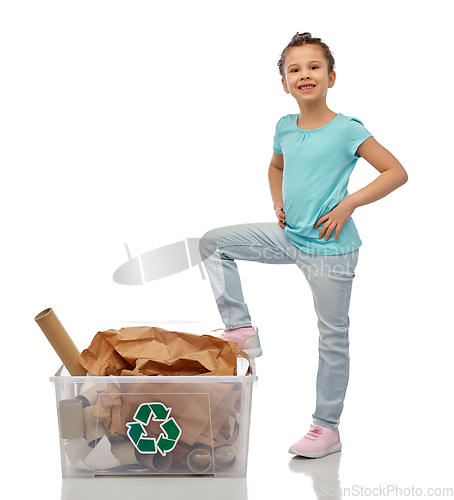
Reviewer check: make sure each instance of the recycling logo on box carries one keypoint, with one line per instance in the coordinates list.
(169, 436)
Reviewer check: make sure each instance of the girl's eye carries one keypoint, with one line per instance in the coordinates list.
(314, 67)
(293, 70)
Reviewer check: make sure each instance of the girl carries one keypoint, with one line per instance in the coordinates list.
(314, 153)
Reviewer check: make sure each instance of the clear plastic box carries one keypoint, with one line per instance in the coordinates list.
(115, 426)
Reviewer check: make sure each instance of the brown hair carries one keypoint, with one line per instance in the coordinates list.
(303, 39)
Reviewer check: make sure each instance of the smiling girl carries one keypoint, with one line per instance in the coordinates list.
(314, 153)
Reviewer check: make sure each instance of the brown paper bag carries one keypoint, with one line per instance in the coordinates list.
(154, 351)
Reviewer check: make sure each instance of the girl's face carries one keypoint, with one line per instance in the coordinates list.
(306, 73)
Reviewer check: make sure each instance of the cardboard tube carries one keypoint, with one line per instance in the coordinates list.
(224, 457)
(71, 418)
(93, 430)
(161, 463)
(124, 451)
(89, 393)
(156, 461)
(60, 341)
(199, 460)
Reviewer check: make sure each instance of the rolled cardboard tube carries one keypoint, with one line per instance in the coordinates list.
(156, 461)
(224, 457)
(93, 430)
(71, 419)
(161, 463)
(60, 341)
(124, 451)
(89, 393)
(199, 460)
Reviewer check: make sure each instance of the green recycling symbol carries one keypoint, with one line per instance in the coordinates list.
(169, 436)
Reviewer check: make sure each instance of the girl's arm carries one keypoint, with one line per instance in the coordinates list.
(392, 175)
(275, 174)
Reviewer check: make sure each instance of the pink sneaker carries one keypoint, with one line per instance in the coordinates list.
(247, 339)
(317, 443)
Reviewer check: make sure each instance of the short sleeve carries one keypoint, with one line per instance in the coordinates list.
(356, 135)
(276, 145)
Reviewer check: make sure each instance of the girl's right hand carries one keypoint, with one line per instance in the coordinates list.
(279, 209)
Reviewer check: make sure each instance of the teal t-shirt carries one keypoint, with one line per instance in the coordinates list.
(317, 167)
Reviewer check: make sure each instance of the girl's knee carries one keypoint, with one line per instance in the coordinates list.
(208, 243)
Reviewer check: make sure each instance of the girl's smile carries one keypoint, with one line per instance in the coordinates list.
(306, 87)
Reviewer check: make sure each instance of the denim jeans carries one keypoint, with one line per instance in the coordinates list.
(330, 279)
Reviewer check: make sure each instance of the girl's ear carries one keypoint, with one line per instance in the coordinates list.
(331, 79)
(284, 84)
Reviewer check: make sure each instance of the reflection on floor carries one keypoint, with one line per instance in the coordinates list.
(324, 473)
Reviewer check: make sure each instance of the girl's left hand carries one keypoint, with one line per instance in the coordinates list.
(335, 220)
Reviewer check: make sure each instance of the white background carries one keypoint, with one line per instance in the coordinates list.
(146, 122)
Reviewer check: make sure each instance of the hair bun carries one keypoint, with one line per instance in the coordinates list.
(300, 36)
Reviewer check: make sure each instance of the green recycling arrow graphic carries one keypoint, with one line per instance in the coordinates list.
(166, 441)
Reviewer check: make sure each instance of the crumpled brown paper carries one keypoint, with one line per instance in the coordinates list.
(208, 413)
(209, 418)
(147, 350)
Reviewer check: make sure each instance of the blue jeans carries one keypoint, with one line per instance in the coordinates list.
(330, 279)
